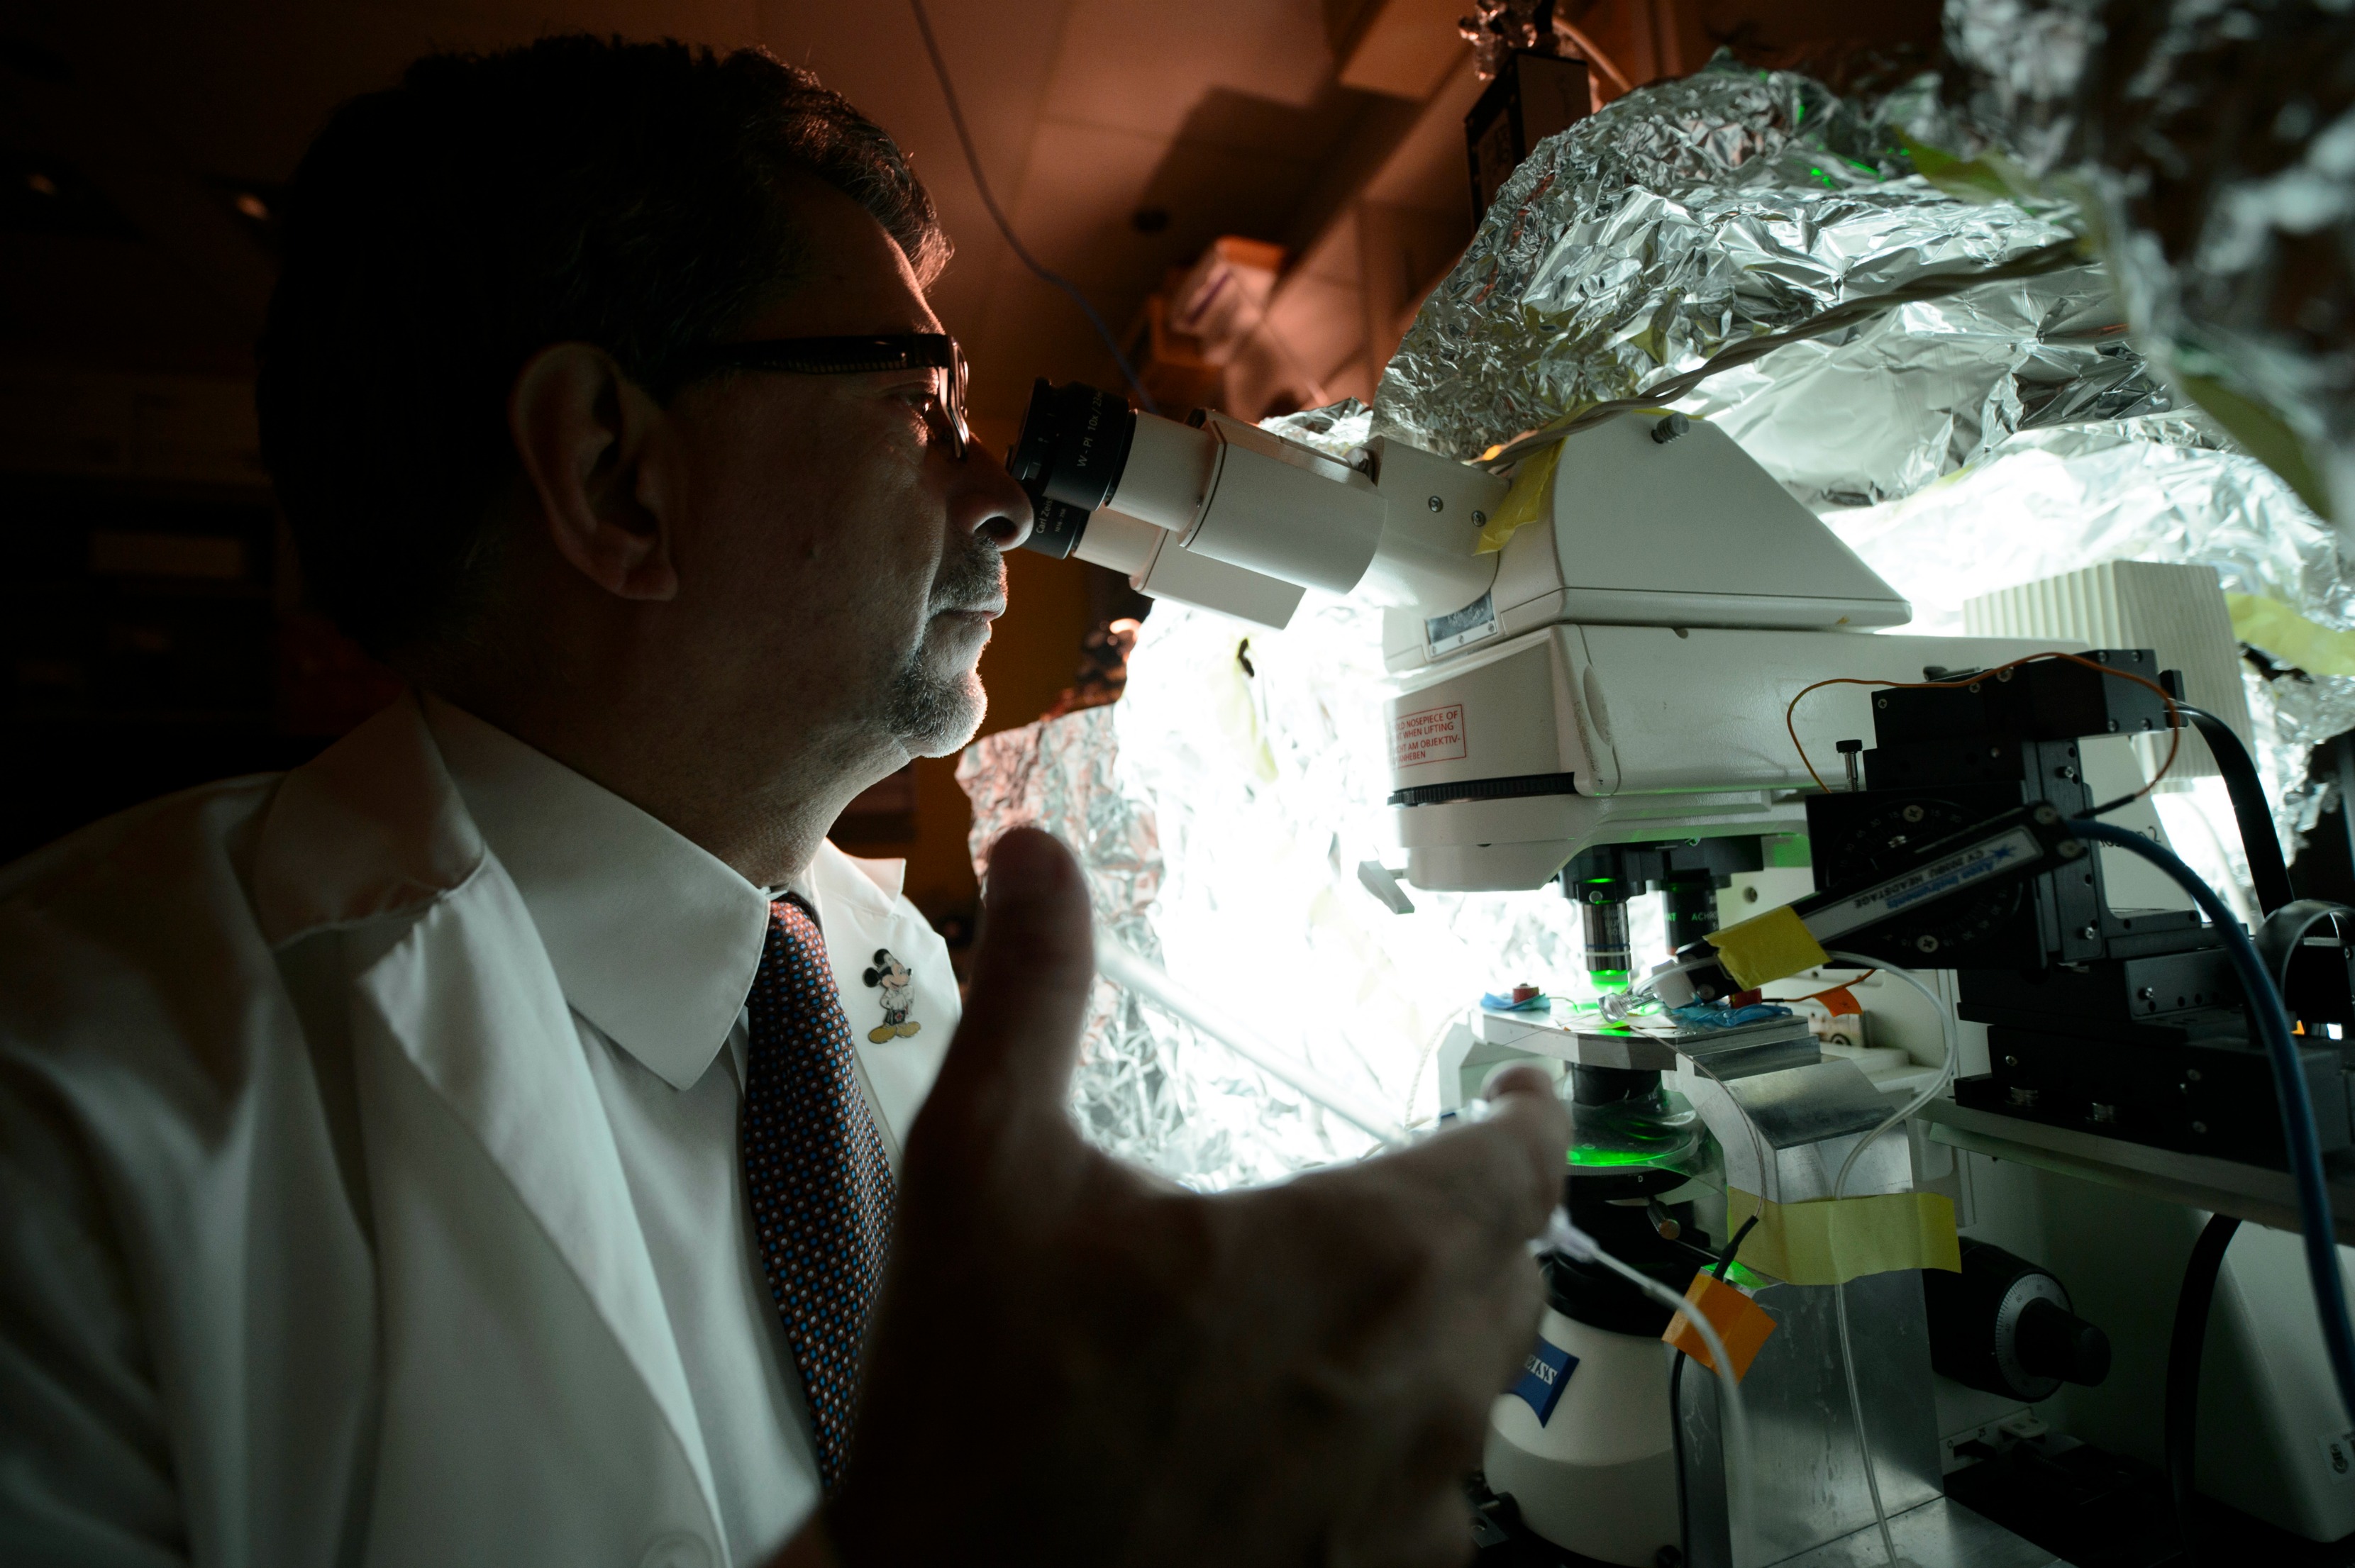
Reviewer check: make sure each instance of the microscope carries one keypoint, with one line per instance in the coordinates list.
(1611, 681)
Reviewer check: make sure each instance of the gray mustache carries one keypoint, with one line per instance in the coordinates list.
(968, 579)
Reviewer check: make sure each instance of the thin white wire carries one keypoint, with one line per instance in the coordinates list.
(1839, 1289)
(1757, 1140)
(1117, 964)
(1562, 1236)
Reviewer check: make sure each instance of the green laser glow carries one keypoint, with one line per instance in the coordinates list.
(1601, 1156)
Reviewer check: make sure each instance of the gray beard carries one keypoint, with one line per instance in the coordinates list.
(931, 714)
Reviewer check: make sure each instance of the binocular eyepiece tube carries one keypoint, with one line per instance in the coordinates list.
(1215, 512)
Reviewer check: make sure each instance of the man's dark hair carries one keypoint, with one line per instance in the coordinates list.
(440, 233)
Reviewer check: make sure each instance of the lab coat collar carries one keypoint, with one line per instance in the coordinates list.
(655, 940)
(372, 826)
(375, 826)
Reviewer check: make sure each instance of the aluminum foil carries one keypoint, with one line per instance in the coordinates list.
(1265, 759)
(2163, 487)
(1690, 215)
(1219, 811)
(2219, 137)
(1057, 775)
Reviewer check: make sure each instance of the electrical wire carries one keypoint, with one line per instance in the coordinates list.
(2285, 931)
(2044, 259)
(1833, 990)
(2268, 872)
(1565, 1237)
(990, 201)
(2186, 1346)
(2174, 710)
(1839, 1184)
(1676, 1403)
(1676, 1442)
(2271, 1021)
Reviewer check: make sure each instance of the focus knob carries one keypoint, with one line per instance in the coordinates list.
(2004, 1325)
(2052, 1342)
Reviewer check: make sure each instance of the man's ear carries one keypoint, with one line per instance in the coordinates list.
(592, 442)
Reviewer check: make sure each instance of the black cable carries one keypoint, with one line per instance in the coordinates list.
(2285, 929)
(2268, 875)
(981, 183)
(1725, 1258)
(1677, 1441)
(1676, 1398)
(2184, 1350)
(2270, 1022)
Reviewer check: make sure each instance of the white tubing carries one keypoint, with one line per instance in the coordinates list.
(1839, 1290)
(1150, 980)
(1565, 1237)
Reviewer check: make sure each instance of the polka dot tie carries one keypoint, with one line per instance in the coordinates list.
(820, 1187)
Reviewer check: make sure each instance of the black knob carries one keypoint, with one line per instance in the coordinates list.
(1845, 746)
(2052, 1342)
(2004, 1325)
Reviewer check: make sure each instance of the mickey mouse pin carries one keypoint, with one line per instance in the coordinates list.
(890, 977)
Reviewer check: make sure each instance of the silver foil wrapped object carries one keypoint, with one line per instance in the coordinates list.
(1693, 214)
(1148, 1088)
(2161, 487)
(2219, 136)
(1219, 811)
(1057, 775)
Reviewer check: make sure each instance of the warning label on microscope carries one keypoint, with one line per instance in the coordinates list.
(1434, 734)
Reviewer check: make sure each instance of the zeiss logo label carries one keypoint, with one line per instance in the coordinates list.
(1542, 1376)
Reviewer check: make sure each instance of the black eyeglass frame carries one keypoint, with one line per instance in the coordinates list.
(849, 357)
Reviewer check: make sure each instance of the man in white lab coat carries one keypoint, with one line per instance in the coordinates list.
(484, 1144)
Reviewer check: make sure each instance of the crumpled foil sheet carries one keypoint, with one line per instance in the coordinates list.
(1334, 430)
(1058, 774)
(2219, 136)
(2161, 487)
(1264, 758)
(1696, 213)
(1219, 811)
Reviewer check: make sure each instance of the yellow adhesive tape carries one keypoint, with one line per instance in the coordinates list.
(1827, 1241)
(1741, 1322)
(1530, 498)
(1767, 948)
(2270, 624)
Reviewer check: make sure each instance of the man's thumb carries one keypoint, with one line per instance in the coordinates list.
(1032, 969)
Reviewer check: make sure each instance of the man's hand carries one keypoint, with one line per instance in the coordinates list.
(1075, 1363)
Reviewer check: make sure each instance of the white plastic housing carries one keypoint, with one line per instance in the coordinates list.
(1598, 1476)
(1168, 474)
(1689, 532)
(1665, 733)
(1243, 497)
(1123, 544)
(1177, 573)
(1285, 511)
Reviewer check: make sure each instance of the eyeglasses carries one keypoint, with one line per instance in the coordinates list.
(854, 357)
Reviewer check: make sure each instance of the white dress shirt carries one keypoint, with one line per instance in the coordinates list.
(655, 942)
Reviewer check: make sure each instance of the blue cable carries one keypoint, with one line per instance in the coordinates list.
(2272, 1023)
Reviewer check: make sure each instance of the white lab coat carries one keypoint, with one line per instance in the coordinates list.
(314, 1244)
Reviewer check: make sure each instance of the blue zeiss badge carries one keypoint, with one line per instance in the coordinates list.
(1542, 1376)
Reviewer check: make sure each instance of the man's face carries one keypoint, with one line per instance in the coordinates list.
(836, 557)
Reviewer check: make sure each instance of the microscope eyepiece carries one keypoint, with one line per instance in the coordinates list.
(1073, 445)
